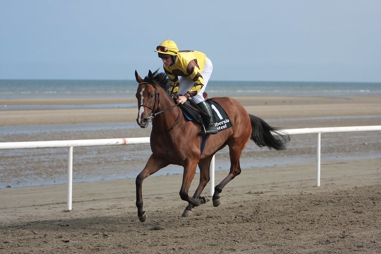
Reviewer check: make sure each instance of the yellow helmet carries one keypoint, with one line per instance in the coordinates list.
(167, 47)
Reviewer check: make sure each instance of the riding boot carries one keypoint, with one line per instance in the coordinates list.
(210, 128)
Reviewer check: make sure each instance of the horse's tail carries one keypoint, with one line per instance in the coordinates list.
(262, 136)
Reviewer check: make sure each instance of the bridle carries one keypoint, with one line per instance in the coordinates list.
(153, 113)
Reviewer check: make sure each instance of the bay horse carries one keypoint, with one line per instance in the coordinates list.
(175, 140)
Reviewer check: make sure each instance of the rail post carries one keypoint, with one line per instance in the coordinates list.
(70, 180)
(212, 175)
(318, 155)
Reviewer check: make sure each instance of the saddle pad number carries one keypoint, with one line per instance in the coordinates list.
(223, 122)
(217, 112)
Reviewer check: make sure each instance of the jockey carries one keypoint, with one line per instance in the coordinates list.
(195, 69)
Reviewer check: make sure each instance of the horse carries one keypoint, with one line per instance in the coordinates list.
(176, 140)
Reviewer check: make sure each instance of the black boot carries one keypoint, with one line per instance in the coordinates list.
(210, 128)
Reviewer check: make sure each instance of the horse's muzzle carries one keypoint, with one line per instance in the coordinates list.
(143, 123)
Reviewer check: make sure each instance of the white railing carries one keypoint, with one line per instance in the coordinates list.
(71, 144)
(125, 141)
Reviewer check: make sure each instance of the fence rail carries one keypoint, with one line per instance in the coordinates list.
(143, 140)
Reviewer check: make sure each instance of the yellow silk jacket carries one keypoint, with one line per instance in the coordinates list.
(188, 64)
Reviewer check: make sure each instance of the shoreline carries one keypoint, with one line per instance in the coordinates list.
(244, 100)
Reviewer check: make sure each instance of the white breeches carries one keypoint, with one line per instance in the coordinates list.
(186, 83)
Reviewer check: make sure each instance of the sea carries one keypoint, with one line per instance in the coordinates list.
(58, 89)
(75, 89)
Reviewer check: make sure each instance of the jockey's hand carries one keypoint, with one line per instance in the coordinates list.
(181, 99)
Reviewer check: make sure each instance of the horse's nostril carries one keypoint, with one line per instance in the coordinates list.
(142, 120)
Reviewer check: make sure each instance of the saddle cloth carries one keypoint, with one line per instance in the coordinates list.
(221, 119)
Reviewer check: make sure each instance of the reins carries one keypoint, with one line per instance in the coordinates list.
(162, 111)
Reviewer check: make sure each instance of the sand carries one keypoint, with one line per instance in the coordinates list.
(264, 107)
(275, 209)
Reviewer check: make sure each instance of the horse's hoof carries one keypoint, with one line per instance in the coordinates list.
(216, 202)
(203, 200)
(187, 213)
(143, 217)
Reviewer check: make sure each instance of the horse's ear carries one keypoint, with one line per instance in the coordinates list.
(138, 78)
(150, 74)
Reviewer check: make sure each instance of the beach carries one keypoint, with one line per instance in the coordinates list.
(274, 207)
(264, 107)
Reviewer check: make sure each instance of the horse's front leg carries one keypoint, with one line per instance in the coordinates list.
(188, 175)
(153, 165)
(204, 166)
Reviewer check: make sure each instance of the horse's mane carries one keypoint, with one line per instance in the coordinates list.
(159, 78)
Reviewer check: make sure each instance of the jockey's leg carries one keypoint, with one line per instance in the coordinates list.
(210, 128)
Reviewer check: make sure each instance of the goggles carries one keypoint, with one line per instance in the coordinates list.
(164, 49)
(165, 56)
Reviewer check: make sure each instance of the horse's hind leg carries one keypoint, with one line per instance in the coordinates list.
(204, 166)
(235, 169)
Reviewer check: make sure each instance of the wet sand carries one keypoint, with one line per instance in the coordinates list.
(264, 107)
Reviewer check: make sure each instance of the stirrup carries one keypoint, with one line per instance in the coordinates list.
(210, 130)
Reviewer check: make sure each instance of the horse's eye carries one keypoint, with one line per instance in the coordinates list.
(151, 95)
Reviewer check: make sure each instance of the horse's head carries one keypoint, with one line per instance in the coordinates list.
(147, 95)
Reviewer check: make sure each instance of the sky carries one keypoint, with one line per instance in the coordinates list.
(252, 40)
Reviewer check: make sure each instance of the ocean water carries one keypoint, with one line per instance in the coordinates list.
(57, 89)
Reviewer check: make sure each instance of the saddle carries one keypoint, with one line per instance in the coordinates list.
(192, 113)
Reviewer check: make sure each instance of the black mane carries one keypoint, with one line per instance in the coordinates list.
(159, 78)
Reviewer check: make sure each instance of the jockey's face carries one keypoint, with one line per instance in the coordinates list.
(167, 61)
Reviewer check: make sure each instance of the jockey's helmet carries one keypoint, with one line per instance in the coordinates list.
(167, 47)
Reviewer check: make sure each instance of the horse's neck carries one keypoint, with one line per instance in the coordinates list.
(170, 117)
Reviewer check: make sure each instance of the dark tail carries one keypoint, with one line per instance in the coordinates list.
(262, 136)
